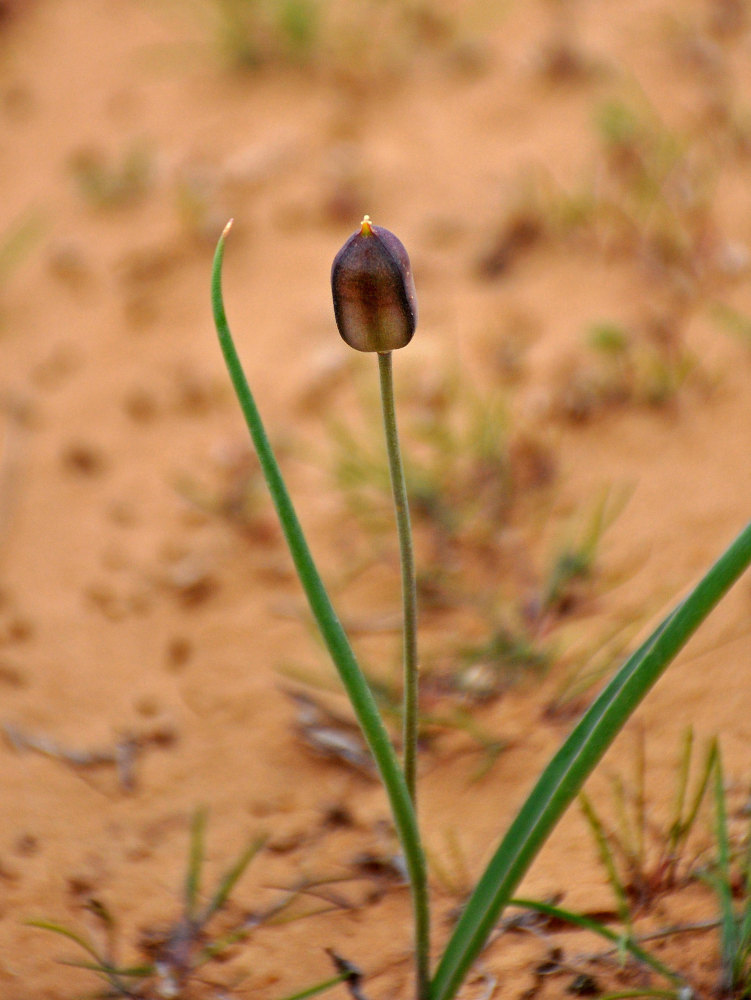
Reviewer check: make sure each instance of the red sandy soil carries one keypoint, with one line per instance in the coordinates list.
(142, 613)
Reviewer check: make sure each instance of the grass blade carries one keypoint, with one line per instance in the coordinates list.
(564, 776)
(312, 991)
(682, 826)
(82, 942)
(634, 994)
(684, 771)
(743, 972)
(111, 974)
(195, 862)
(723, 880)
(231, 878)
(587, 923)
(333, 634)
(607, 859)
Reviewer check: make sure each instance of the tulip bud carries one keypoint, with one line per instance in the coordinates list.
(373, 289)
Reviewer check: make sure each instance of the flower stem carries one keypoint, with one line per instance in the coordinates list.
(354, 681)
(409, 584)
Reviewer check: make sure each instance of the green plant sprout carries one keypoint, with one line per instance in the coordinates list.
(376, 311)
(247, 33)
(650, 368)
(733, 321)
(106, 184)
(625, 943)
(645, 873)
(509, 653)
(524, 642)
(16, 241)
(574, 561)
(730, 876)
(173, 958)
(637, 878)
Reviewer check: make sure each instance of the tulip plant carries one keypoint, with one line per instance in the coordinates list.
(375, 310)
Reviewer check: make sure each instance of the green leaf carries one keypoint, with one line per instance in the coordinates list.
(723, 880)
(110, 973)
(62, 931)
(579, 920)
(312, 991)
(607, 859)
(565, 775)
(231, 878)
(195, 862)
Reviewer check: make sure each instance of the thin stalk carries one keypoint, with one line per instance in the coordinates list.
(312, 991)
(334, 637)
(409, 583)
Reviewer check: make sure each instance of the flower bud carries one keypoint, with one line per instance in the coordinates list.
(374, 294)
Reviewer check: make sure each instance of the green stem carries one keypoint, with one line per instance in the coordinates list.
(313, 991)
(335, 639)
(409, 584)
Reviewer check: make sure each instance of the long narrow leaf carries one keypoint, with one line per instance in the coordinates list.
(678, 825)
(109, 973)
(195, 862)
(607, 859)
(743, 971)
(332, 633)
(312, 991)
(231, 878)
(634, 994)
(682, 826)
(82, 942)
(723, 879)
(572, 764)
(587, 923)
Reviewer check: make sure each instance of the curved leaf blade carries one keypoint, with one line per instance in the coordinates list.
(564, 776)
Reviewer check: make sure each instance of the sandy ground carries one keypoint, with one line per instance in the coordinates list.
(561, 173)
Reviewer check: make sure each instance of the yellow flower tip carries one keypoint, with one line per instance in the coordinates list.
(366, 226)
(227, 228)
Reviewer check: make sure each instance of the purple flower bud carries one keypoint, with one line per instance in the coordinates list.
(373, 289)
